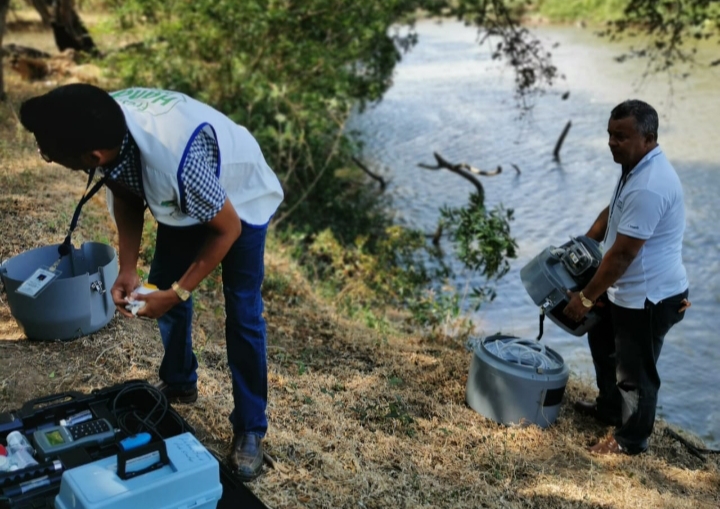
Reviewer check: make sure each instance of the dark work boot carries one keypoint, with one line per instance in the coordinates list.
(590, 408)
(175, 395)
(246, 456)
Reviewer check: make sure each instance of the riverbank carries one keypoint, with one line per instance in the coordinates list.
(359, 417)
(410, 124)
(567, 11)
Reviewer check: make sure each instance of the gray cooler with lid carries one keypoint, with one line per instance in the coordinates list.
(516, 381)
(557, 269)
(76, 303)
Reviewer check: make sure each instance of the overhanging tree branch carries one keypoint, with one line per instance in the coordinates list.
(369, 173)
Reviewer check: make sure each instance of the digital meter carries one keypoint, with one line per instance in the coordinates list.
(57, 439)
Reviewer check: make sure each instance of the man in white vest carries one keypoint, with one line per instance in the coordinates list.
(206, 182)
(640, 286)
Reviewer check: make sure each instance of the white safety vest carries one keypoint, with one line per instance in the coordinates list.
(164, 124)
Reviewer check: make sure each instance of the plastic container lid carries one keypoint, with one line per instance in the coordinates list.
(3, 451)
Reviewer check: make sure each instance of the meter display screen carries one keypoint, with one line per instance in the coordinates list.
(55, 438)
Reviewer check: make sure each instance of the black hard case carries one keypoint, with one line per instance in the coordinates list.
(104, 403)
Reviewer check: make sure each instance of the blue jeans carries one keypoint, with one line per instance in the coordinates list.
(625, 347)
(242, 274)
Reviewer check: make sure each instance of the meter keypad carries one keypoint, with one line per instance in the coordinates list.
(85, 429)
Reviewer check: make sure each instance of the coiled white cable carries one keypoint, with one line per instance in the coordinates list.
(522, 352)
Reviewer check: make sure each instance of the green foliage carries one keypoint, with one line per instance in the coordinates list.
(393, 271)
(482, 239)
(671, 24)
(401, 269)
(276, 283)
(289, 72)
(591, 10)
(434, 306)
(292, 73)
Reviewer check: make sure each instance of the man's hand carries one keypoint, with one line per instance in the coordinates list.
(125, 284)
(575, 310)
(157, 303)
(684, 304)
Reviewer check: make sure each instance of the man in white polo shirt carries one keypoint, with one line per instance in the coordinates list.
(641, 287)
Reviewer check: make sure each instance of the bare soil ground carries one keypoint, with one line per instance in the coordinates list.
(358, 418)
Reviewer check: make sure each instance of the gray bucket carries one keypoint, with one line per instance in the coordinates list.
(75, 304)
(516, 381)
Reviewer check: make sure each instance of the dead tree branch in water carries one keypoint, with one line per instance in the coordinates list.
(436, 236)
(692, 449)
(464, 170)
(467, 172)
(558, 145)
(372, 175)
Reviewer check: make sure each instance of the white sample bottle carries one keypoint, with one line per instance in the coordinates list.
(20, 452)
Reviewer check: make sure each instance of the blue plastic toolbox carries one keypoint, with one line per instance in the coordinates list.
(128, 407)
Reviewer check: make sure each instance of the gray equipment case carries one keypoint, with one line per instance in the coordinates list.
(76, 303)
(557, 269)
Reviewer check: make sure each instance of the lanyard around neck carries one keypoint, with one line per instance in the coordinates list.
(66, 247)
(621, 184)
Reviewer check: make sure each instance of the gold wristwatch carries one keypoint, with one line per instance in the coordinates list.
(181, 292)
(585, 301)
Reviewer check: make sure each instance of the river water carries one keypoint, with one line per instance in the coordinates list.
(449, 96)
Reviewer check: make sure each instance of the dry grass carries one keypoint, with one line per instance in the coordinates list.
(358, 418)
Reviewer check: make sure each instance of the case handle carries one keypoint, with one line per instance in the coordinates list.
(30, 406)
(124, 456)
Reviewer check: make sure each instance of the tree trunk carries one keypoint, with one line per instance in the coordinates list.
(4, 5)
(68, 28)
(41, 6)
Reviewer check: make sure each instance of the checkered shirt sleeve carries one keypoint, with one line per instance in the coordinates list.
(204, 196)
(127, 171)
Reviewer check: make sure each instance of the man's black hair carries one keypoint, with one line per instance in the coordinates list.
(73, 119)
(646, 118)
